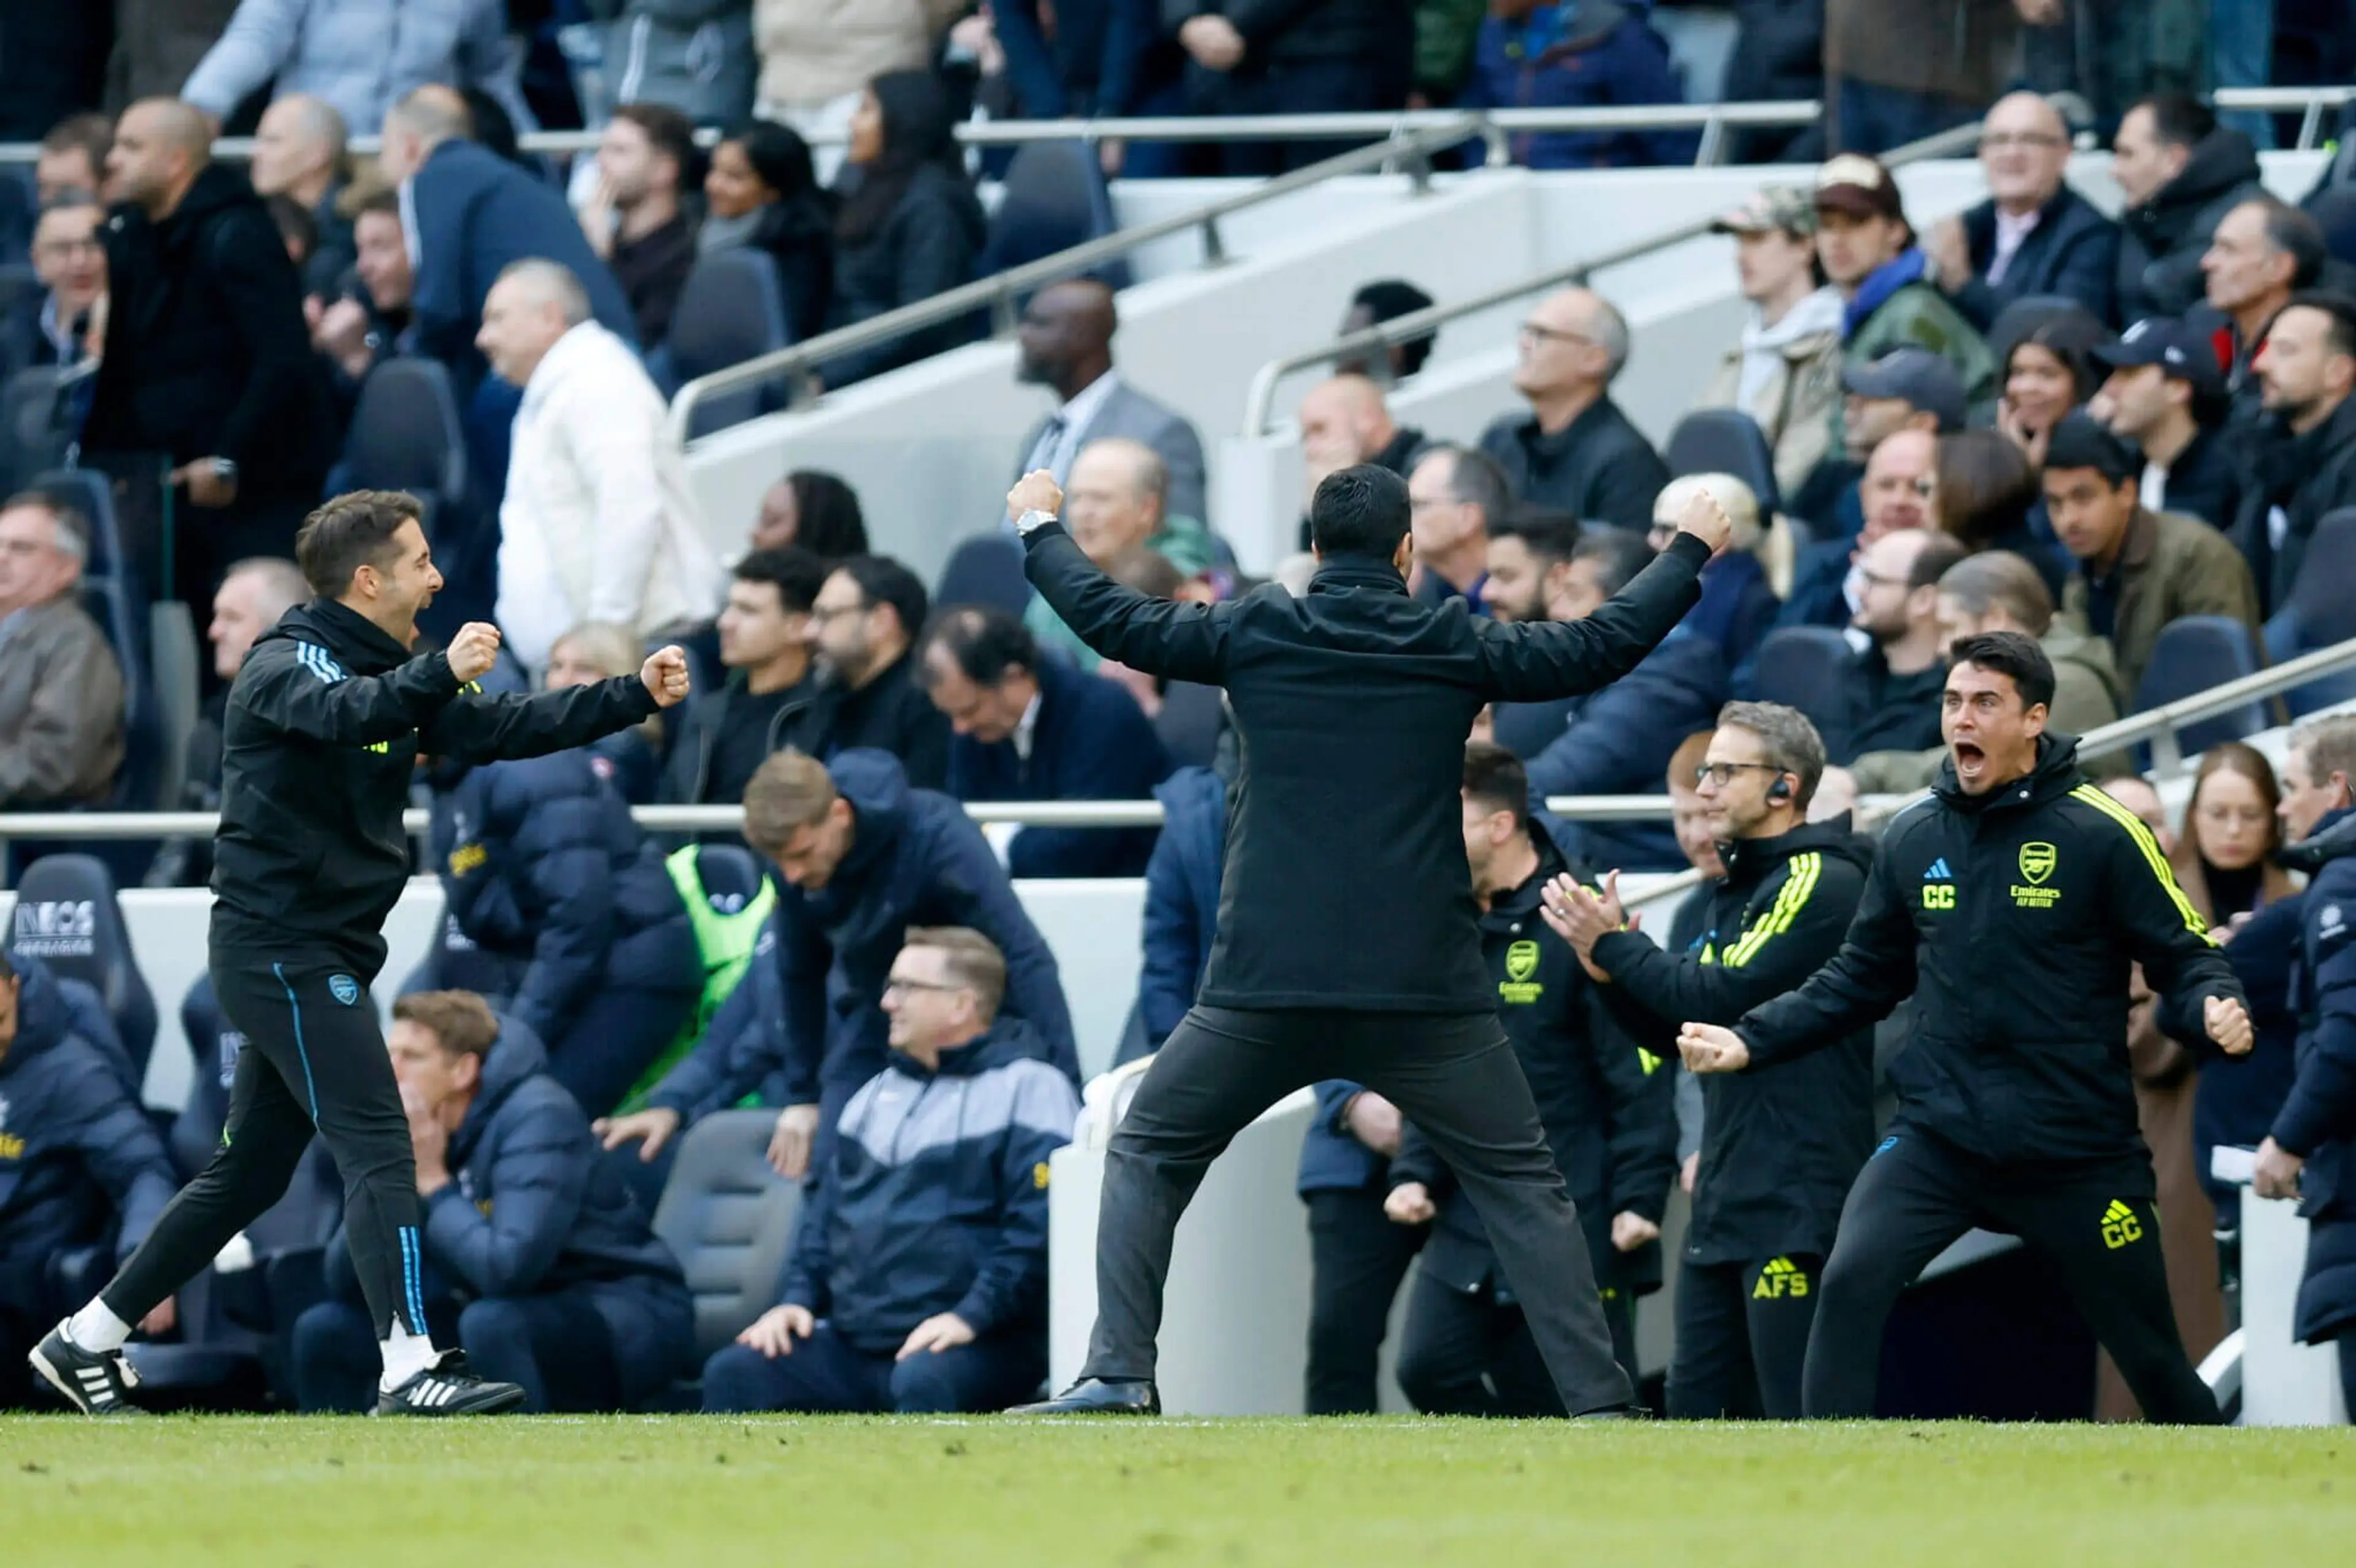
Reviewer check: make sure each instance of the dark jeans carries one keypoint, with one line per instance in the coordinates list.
(1311, 87)
(2096, 1224)
(826, 1373)
(1464, 1352)
(1874, 118)
(556, 1348)
(1356, 1259)
(1742, 1337)
(1454, 1076)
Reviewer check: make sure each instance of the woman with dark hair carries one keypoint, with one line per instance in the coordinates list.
(815, 510)
(910, 226)
(1982, 495)
(2049, 370)
(760, 191)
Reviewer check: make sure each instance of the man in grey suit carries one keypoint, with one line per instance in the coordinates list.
(1066, 344)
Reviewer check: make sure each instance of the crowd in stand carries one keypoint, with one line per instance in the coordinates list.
(2029, 417)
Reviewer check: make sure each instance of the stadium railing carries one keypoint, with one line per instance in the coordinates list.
(2159, 728)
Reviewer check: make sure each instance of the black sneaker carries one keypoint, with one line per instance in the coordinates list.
(92, 1383)
(447, 1388)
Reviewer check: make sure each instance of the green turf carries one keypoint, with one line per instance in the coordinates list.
(710, 1492)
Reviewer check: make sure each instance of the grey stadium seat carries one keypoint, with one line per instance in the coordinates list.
(730, 1219)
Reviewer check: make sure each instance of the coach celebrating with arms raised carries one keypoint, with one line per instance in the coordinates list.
(1349, 944)
(2010, 903)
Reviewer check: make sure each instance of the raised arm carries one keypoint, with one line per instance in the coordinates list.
(1872, 973)
(1159, 636)
(479, 729)
(2164, 933)
(296, 688)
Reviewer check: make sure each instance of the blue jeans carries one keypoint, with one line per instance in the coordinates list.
(1874, 118)
(2241, 54)
(826, 1373)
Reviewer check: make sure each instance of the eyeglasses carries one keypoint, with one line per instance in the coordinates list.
(1879, 580)
(1721, 774)
(897, 986)
(2003, 141)
(1533, 332)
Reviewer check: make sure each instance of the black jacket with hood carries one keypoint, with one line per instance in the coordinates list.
(2162, 241)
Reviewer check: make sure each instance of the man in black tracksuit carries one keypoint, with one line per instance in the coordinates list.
(325, 723)
(1349, 944)
(1609, 1119)
(1779, 1147)
(2012, 904)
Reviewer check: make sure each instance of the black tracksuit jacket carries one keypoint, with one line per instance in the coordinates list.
(1606, 1104)
(1780, 1145)
(1345, 885)
(2012, 918)
(326, 722)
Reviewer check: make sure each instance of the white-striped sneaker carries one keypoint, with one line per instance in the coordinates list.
(447, 1388)
(92, 1382)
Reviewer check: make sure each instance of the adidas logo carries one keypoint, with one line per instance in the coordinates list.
(2120, 1225)
(435, 1392)
(1938, 871)
(1781, 1279)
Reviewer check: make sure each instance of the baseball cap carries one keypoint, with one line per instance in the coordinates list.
(1916, 374)
(1784, 207)
(1858, 186)
(2181, 350)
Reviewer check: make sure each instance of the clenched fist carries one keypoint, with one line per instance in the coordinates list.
(472, 650)
(665, 673)
(1036, 492)
(1706, 521)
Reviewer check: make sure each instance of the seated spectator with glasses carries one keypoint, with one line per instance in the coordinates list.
(53, 328)
(60, 686)
(866, 617)
(919, 1273)
(2034, 235)
(1577, 451)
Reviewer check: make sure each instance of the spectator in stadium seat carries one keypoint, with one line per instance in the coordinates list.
(2263, 252)
(566, 1289)
(1032, 728)
(1323, 57)
(1868, 252)
(358, 56)
(818, 56)
(206, 358)
(2305, 466)
(1453, 491)
(368, 319)
(1386, 299)
(1064, 343)
(815, 510)
(60, 685)
(867, 615)
(298, 153)
(1118, 500)
(1577, 451)
(52, 327)
(72, 157)
(1785, 371)
(630, 759)
(767, 637)
(1894, 689)
(545, 873)
(1344, 420)
(918, 1280)
(1996, 591)
(633, 220)
(2137, 569)
(1906, 389)
(2181, 173)
(909, 228)
(253, 594)
(474, 215)
(599, 522)
(1739, 603)
(1617, 741)
(1592, 54)
(1900, 478)
(2045, 373)
(2167, 395)
(1985, 488)
(760, 191)
(80, 1165)
(2034, 235)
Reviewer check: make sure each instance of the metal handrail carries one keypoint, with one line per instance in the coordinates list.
(997, 293)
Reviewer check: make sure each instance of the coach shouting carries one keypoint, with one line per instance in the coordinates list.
(1354, 703)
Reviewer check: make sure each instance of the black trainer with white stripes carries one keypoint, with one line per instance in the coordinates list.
(447, 1388)
(92, 1382)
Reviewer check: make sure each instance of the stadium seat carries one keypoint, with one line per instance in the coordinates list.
(1189, 722)
(729, 1218)
(730, 309)
(67, 916)
(1053, 196)
(87, 492)
(1809, 669)
(2321, 613)
(174, 677)
(115, 605)
(987, 570)
(1726, 441)
(2023, 316)
(405, 434)
(2193, 655)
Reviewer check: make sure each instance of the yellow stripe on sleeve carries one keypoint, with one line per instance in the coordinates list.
(2149, 846)
(1793, 897)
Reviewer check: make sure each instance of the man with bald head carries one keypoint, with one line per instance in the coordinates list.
(298, 153)
(1118, 501)
(2034, 235)
(208, 361)
(1344, 420)
(1064, 343)
(1577, 451)
(1894, 495)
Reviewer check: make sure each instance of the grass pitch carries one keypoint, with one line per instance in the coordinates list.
(714, 1492)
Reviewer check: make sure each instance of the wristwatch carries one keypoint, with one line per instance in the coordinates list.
(1032, 520)
(224, 470)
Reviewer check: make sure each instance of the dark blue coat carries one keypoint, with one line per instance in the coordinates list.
(742, 1051)
(916, 858)
(1737, 606)
(1091, 743)
(472, 213)
(1598, 55)
(540, 861)
(2319, 1120)
(2236, 1098)
(936, 1200)
(1619, 741)
(2073, 251)
(78, 1158)
(1182, 897)
(1818, 577)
